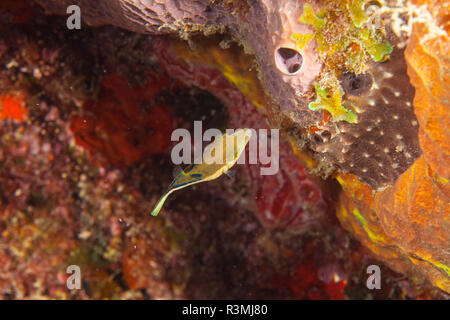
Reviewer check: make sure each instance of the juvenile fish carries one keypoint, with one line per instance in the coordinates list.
(218, 158)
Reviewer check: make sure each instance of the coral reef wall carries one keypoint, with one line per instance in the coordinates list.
(408, 223)
(353, 147)
(372, 106)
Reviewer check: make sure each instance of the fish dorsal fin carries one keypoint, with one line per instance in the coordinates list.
(177, 171)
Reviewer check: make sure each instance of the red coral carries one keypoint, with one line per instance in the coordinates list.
(12, 107)
(314, 276)
(307, 285)
(123, 126)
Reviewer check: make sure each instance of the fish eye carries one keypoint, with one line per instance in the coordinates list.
(356, 85)
(196, 175)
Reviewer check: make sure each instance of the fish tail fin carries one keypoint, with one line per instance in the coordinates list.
(159, 205)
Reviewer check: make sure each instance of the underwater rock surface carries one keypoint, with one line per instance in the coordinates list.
(353, 147)
(377, 140)
(85, 149)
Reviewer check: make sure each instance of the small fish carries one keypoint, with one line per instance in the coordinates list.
(218, 158)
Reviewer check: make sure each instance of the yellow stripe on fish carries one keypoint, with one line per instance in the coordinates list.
(218, 158)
